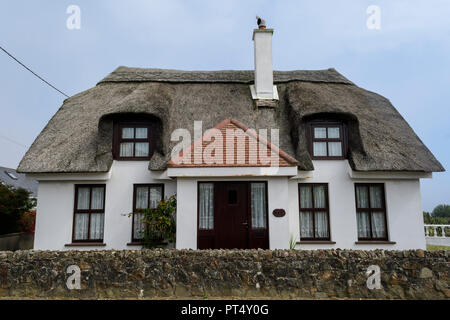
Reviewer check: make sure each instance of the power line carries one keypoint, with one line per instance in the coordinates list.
(48, 83)
(13, 141)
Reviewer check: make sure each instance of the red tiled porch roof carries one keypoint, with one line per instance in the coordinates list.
(246, 159)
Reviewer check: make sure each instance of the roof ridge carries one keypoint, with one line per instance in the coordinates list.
(127, 74)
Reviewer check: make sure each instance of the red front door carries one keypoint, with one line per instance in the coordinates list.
(225, 215)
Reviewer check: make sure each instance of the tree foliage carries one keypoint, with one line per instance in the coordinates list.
(442, 210)
(159, 223)
(14, 204)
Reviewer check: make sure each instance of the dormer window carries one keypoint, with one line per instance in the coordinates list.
(327, 140)
(133, 140)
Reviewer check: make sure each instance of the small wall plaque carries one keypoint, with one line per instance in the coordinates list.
(279, 213)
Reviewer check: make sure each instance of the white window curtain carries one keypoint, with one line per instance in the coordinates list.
(142, 149)
(362, 197)
(83, 198)
(313, 224)
(320, 133)
(141, 133)
(141, 197)
(97, 222)
(363, 224)
(319, 197)
(376, 196)
(206, 206)
(306, 224)
(320, 149)
(334, 149)
(126, 149)
(138, 226)
(321, 224)
(155, 196)
(97, 198)
(333, 133)
(258, 199)
(81, 226)
(127, 133)
(378, 225)
(142, 202)
(305, 197)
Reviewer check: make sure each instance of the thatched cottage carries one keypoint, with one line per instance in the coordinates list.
(304, 156)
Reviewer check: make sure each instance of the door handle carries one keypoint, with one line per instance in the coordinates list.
(245, 224)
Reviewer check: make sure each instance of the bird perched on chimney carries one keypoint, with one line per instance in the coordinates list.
(261, 22)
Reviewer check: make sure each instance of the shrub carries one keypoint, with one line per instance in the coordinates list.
(14, 203)
(159, 223)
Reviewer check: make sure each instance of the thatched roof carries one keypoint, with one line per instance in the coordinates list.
(79, 136)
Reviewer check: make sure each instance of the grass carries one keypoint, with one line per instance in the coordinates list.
(434, 248)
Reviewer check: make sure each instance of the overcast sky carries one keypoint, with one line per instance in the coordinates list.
(407, 60)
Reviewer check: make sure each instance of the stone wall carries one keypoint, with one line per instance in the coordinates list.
(16, 241)
(224, 273)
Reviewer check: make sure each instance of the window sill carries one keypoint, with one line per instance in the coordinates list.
(135, 243)
(316, 242)
(375, 242)
(85, 244)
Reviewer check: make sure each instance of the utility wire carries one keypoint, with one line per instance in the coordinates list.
(13, 141)
(48, 83)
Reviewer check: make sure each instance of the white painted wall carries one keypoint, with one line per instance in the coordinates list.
(403, 201)
(56, 204)
(404, 211)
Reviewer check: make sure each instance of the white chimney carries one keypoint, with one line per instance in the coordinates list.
(263, 88)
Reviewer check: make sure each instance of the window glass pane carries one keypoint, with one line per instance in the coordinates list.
(142, 149)
(333, 133)
(81, 226)
(258, 198)
(378, 225)
(97, 198)
(83, 198)
(232, 196)
(141, 197)
(321, 224)
(320, 133)
(305, 197)
(138, 226)
(362, 197)
(334, 149)
(155, 196)
(306, 225)
(319, 197)
(127, 133)
(141, 133)
(206, 206)
(320, 149)
(363, 224)
(96, 231)
(376, 196)
(126, 149)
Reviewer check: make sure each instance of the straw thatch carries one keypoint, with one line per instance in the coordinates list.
(79, 136)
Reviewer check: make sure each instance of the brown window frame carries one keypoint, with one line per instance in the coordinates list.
(327, 124)
(369, 210)
(89, 211)
(117, 139)
(135, 186)
(314, 210)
